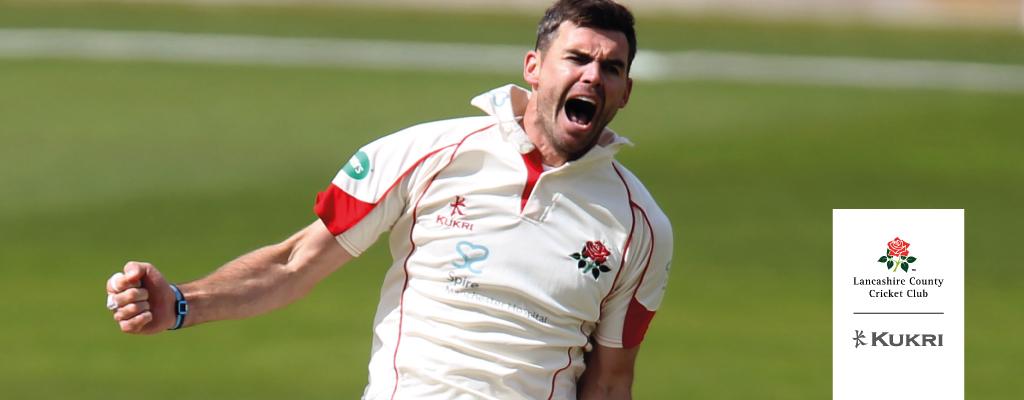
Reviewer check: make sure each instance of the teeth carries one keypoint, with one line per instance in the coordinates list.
(587, 99)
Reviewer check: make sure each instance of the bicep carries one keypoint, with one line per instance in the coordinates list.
(609, 373)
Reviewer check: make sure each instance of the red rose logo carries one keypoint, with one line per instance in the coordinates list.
(897, 256)
(596, 251)
(898, 247)
(591, 259)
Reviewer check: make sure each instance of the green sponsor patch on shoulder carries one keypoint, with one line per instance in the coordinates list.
(358, 167)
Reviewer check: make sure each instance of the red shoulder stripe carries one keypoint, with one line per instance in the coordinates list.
(638, 317)
(339, 210)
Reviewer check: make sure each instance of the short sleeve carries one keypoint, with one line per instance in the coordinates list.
(628, 311)
(372, 190)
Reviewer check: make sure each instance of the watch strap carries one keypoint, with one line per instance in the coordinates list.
(180, 308)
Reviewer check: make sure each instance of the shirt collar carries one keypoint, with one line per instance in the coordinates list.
(508, 104)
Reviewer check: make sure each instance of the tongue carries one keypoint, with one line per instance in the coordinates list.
(576, 118)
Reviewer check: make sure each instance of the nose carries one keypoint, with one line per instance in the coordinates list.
(591, 74)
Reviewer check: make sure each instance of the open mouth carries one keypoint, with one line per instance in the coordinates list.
(580, 110)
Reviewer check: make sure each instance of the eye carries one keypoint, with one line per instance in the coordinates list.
(612, 68)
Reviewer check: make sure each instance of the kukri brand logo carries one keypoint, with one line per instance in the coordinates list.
(858, 336)
(886, 339)
(457, 205)
(452, 219)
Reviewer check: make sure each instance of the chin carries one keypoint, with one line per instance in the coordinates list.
(575, 146)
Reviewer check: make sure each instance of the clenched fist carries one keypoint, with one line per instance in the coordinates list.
(143, 299)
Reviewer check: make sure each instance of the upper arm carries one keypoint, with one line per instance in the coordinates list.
(637, 294)
(372, 191)
(608, 375)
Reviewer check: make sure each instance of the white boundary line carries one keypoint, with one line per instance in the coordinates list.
(648, 66)
(238, 49)
(840, 71)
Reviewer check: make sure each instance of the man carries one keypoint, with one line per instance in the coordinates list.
(527, 262)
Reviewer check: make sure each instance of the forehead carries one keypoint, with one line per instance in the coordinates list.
(599, 43)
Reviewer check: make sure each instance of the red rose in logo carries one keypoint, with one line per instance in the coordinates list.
(898, 247)
(897, 256)
(591, 259)
(596, 251)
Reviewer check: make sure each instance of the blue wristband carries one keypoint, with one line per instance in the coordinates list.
(180, 308)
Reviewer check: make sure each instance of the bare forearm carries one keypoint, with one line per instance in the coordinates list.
(594, 389)
(263, 280)
(609, 374)
(250, 285)
(266, 279)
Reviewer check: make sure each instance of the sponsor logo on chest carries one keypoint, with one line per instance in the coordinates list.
(452, 219)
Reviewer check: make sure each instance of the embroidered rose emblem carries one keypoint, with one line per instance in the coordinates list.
(596, 251)
(896, 256)
(591, 259)
(898, 247)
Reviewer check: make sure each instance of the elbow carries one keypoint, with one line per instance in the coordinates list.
(296, 281)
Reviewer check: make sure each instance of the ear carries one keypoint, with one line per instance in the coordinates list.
(531, 68)
(625, 96)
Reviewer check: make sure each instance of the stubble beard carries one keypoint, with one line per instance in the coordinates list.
(550, 119)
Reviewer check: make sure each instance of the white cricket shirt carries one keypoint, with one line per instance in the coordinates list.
(502, 271)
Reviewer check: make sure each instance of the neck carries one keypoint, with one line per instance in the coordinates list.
(550, 155)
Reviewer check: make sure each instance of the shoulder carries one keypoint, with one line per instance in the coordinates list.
(642, 200)
(436, 134)
(391, 156)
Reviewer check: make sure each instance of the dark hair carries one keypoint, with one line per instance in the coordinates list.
(600, 14)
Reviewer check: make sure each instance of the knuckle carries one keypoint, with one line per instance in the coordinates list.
(134, 309)
(122, 298)
(130, 310)
(143, 320)
(131, 295)
(134, 324)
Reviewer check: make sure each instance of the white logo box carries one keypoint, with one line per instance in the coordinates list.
(896, 310)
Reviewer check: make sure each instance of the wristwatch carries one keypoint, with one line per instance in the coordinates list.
(180, 308)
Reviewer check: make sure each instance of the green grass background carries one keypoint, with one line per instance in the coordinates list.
(189, 166)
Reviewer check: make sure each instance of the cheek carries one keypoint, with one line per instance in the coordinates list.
(616, 91)
(555, 74)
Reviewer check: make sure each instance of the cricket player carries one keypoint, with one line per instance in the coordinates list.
(528, 263)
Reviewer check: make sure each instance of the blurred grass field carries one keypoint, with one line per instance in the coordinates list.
(188, 166)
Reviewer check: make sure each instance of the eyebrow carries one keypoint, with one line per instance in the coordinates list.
(613, 62)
